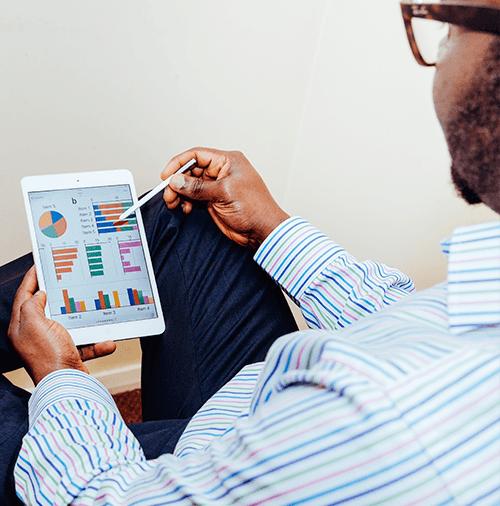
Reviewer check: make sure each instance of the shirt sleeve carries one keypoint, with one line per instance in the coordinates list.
(332, 288)
(319, 431)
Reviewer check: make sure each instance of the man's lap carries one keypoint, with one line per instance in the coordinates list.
(221, 310)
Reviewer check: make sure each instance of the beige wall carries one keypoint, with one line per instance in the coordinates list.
(322, 96)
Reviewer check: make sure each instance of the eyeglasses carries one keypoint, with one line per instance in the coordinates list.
(428, 24)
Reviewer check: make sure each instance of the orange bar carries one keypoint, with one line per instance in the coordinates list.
(67, 305)
(117, 299)
(114, 211)
(101, 300)
(64, 257)
(136, 297)
(63, 264)
(109, 206)
(62, 271)
(64, 251)
(82, 305)
(59, 278)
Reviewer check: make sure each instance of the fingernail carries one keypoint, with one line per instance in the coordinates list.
(177, 182)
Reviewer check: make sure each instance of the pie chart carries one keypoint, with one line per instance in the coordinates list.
(52, 224)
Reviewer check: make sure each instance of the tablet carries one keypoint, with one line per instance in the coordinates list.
(95, 270)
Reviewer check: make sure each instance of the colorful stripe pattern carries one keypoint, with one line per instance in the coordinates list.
(474, 277)
(391, 410)
(332, 288)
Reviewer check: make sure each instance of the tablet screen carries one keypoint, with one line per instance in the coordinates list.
(93, 265)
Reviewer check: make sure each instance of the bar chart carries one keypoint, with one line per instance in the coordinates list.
(107, 216)
(94, 259)
(64, 261)
(71, 306)
(131, 255)
(133, 297)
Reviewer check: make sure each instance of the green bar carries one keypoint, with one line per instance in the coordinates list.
(126, 205)
(106, 300)
(96, 254)
(97, 273)
(97, 247)
(125, 229)
(72, 305)
(141, 298)
(96, 267)
(132, 221)
(95, 260)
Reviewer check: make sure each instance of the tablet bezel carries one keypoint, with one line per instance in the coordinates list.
(103, 332)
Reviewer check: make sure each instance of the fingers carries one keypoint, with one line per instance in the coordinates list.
(97, 350)
(196, 188)
(186, 206)
(204, 157)
(209, 164)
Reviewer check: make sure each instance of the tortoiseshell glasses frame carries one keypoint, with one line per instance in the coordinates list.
(479, 17)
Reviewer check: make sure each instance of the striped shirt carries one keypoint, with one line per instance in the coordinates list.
(392, 398)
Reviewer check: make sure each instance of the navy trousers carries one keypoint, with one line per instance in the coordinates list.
(221, 313)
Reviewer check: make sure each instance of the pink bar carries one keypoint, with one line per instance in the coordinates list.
(124, 251)
(78, 307)
(146, 299)
(130, 244)
(132, 269)
(126, 264)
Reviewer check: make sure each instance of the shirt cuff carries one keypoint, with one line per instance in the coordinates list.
(66, 384)
(295, 253)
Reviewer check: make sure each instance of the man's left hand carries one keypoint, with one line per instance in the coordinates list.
(44, 345)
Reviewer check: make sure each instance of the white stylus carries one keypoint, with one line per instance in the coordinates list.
(156, 190)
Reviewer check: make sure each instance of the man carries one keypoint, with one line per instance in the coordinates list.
(393, 398)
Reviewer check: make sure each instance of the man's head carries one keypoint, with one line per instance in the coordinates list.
(467, 93)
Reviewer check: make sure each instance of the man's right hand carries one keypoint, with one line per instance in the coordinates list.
(237, 197)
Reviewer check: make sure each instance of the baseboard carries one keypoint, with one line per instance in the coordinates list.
(116, 379)
(120, 379)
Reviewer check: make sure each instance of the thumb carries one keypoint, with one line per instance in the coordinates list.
(195, 188)
(33, 309)
(38, 301)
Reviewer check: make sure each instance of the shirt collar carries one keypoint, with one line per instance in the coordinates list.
(473, 276)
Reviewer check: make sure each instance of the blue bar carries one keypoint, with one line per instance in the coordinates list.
(104, 224)
(97, 303)
(131, 296)
(107, 230)
(63, 310)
